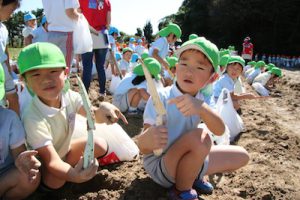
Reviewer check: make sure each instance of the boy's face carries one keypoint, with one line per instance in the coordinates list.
(193, 71)
(234, 70)
(127, 56)
(47, 84)
(31, 23)
(172, 38)
(6, 11)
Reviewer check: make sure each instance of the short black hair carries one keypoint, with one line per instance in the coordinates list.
(7, 2)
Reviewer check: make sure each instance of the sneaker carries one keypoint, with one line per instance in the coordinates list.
(174, 194)
(102, 96)
(203, 187)
(132, 112)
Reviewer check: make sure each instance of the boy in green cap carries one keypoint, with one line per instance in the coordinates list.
(159, 49)
(19, 173)
(131, 93)
(49, 119)
(172, 63)
(258, 69)
(229, 78)
(249, 65)
(187, 154)
(265, 81)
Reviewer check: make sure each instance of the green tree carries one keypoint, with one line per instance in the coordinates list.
(139, 32)
(148, 31)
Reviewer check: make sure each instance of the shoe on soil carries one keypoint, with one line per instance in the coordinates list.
(203, 187)
(174, 194)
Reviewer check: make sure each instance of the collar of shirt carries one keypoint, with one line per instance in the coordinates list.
(48, 111)
(176, 92)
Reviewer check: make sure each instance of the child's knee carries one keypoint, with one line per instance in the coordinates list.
(244, 157)
(200, 141)
(101, 146)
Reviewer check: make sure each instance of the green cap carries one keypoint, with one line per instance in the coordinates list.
(224, 60)
(236, 59)
(270, 66)
(260, 64)
(172, 61)
(276, 71)
(127, 49)
(193, 36)
(252, 63)
(41, 55)
(145, 55)
(231, 48)
(224, 52)
(209, 49)
(153, 66)
(2, 82)
(171, 28)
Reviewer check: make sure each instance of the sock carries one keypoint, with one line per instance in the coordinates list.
(132, 108)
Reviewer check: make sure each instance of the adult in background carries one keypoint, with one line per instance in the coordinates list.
(98, 14)
(247, 52)
(61, 16)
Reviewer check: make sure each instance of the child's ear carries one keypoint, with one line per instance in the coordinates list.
(214, 77)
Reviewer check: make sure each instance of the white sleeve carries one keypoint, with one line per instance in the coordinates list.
(158, 44)
(71, 4)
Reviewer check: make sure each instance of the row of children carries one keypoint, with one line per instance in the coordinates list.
(280, 60)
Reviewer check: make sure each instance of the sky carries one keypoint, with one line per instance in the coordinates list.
(128, 15)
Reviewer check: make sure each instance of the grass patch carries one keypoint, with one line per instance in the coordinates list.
(14, 53)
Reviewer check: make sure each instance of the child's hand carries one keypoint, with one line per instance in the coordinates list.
(109, 114)
(187, 104)
(155, 137)
(80, 175)
(27, 163)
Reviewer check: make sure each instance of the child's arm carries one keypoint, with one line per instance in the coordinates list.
(106, 113)
(152, 138)
(189, 105)
(164, 63)
(28, 40)
(26, 162)
(54, 165)
(244, 96)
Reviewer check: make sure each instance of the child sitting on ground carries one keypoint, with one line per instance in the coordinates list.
(133, 89)
(263, 82)
(227, 80)
(188, 154)
(49, 119)
(19, 173)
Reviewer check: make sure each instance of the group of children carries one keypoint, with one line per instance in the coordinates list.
(280, 60)
(188, 84)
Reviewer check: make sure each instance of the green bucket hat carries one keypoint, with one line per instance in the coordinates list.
(172, 61)
(209, 49)
(127, 49)
(276, 71)
(145, 55)
(260, 64)
(224, 60)
(193, 36)
(153, 66)
(236, 59)
(2, 82)
(40, 55)
(252, 63)
(171, 28)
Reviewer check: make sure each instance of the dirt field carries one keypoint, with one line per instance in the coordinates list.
(272, 137)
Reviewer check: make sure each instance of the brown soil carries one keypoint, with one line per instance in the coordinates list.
(271, 138)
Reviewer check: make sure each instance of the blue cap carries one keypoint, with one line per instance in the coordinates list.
(139, 41)
(118, 56)
(29, 16)
(132, 39)
(44, 20)
(113, 30)
(134, 57)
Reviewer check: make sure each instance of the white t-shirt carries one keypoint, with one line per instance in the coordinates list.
(162, 45)
(124, 65)
(46, 125)
(252, 75)
(27, 31)
(112, 43)
(263, 78)
(132, 46)
(40, 35)
(57, 18)
(139, 49)
(3, 42)
(224, 82)
(126, 84)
